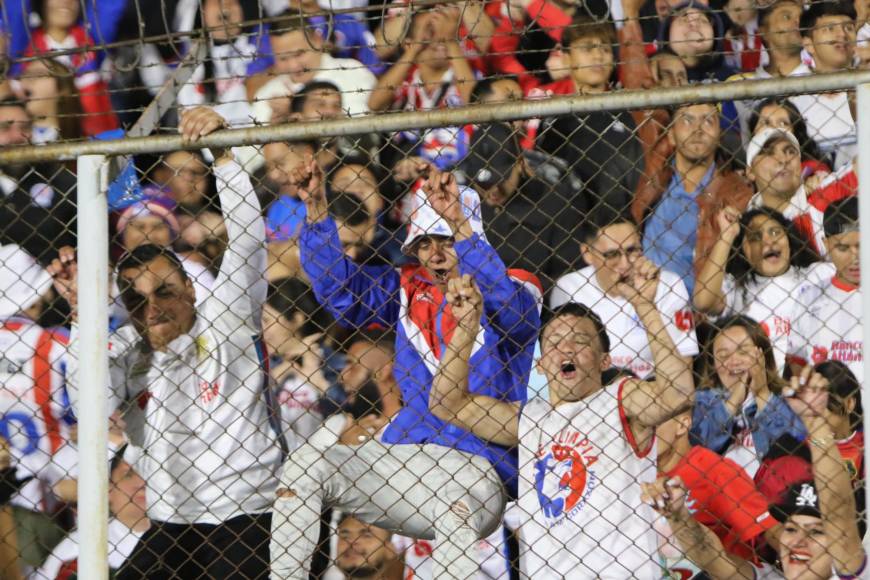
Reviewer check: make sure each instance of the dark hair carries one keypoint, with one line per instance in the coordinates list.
(289, 21)
(484, 87)
(842, 385)
(603, 217)
(809, 148)
(580, 311)
(841, 216)
(291, 295)
(584, 26)
(297, 101)
(116, 460)
(765, 11)
(709, 377)
(801, 254)
(11, 101)
(818, 10)
(147, 253)
(349, 209)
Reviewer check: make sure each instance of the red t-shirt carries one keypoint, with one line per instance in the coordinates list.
(725, 499)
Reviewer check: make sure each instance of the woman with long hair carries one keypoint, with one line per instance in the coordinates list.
(819, 536)
(761, 268)
(739, 406)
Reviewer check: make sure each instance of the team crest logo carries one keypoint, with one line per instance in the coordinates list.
(563, 478)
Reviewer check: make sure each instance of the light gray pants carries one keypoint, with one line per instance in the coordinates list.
(423, 491)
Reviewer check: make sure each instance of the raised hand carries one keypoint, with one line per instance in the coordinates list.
(466, 303)
(642, 282)
(808, 394)
(666, 496)
(442, 193)
(198, 122)
(308, 179)
(728, 220)
(64, 270)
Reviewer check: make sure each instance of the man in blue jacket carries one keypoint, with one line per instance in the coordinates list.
(446, 237)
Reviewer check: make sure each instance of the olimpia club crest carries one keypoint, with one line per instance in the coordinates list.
(563, 475)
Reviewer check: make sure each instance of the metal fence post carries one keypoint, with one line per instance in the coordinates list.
(93, 379)
(863, 123)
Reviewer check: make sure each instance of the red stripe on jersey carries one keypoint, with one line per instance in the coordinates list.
(843, 285)
(626, 427)
(803, 223)
(42, 383)
(528, 277)
(12, 326)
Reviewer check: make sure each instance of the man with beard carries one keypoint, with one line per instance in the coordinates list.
(366, 552)
(37, 202)
(680, 205)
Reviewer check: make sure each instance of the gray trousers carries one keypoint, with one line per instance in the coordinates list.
(423, 491)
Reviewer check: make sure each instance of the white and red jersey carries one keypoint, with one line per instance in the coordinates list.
(489, 553)
(92, 89)
(831, 328)
(629, 345)
(34, 408)
(807, 210)
(743, 51)
(62, 563)
(580, 495)
(776, 303)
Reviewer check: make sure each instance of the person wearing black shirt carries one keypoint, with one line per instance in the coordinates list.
(532, 204)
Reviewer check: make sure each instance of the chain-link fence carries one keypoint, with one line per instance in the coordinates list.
(573, 331)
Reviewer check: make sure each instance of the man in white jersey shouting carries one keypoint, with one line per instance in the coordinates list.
(583, 452)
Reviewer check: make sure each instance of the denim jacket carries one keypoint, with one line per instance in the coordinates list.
(713, 426)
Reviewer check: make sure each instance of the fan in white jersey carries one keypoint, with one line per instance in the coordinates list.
(819, 536)
(34, 414)
(760, 268)
(610, 247)
(583, 453)
(831, 328)
(198, 375)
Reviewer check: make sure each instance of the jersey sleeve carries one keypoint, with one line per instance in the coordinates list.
(240, 287)
(676, 312)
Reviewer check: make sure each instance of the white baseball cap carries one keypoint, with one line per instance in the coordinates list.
(22, 280)
(762, 138)
(425, 221)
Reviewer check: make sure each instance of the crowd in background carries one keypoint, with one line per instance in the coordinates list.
(746, 209)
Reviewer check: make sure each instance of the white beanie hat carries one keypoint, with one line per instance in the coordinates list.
(425, 221)
(22, 280)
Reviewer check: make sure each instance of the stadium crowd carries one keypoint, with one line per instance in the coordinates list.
(322, 351)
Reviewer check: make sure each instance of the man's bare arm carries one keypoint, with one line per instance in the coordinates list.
(449, 400)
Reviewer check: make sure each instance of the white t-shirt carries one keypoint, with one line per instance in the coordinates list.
(776, 303)
(580, 475)
(831, 328)
(830, 124)
(300, 417)
(629, 346)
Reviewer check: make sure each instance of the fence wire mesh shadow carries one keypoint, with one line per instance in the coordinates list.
(606, 342)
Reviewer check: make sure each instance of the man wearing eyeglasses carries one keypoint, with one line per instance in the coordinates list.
(612, 247)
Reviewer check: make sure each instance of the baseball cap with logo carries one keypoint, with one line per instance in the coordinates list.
(763, 138)
(492, 155)
(425, 221)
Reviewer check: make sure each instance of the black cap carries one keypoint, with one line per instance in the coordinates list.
(801, 499)
(841, 217)
(492, 155)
